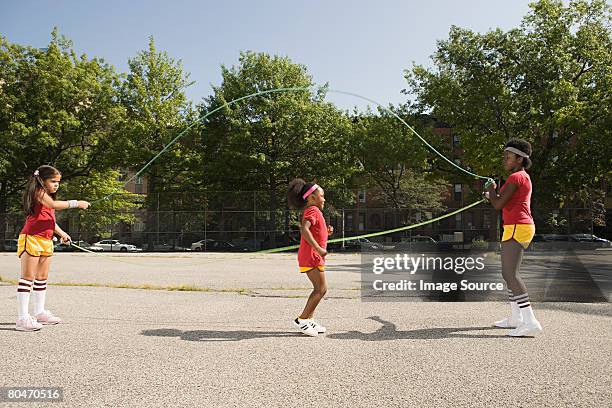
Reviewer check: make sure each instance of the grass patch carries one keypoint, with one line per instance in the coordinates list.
(172, 288)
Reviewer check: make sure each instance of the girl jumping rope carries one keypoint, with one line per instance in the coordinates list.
(313, 243)
(514, 199)
(35, 246)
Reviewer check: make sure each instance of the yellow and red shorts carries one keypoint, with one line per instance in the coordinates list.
(34, 245)
(308, 268)
(522, 233)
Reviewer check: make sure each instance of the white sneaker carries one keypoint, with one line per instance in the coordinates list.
(46, 317)
(305, 327)
(320, 329)
(27, 323)
(528, 329)
(508, 323)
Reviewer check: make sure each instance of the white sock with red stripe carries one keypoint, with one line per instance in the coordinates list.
(40, 290)
(24, 287)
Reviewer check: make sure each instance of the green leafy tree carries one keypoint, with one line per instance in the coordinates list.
(395, 162)
(548, 81)
(263, 142)
(57, 108)
(111, 204)
(158, 111)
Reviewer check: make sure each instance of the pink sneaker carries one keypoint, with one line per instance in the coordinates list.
(46, 317)
(27, 323)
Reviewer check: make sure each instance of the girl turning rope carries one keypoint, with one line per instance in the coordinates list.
(35, 246)
(514, 199)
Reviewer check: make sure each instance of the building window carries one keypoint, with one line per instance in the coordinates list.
(428, 216)
(348, 224)
(362, 220)
(138, 185)
(362, 196)
(375, 221)
(456, 140)
(486, 219)
(389, 220)
(458, 220)
(457, 192)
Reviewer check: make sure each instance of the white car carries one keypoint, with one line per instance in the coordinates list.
(199, 245)
(114, 245)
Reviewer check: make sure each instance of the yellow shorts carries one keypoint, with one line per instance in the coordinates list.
(522, 233)
(34, 245)
(308, 268)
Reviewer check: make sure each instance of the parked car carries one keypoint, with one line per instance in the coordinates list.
(599, 242)
(359, 244)
(283, 240)
(115, 246)
(565, 242)
(168, 247)
(213, 245)
(199, 245)
(10, 245)
(58, 247)
(423, 243)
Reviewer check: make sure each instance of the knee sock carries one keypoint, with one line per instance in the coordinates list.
(24, 287)
(40, 291)
(525, 308)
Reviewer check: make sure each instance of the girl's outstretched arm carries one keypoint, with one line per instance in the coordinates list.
(46, 200)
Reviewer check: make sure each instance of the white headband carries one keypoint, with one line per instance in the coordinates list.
(517, 151)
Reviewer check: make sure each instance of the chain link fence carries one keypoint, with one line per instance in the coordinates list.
(239, 221)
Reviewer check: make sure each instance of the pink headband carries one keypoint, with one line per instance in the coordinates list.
(310, 190)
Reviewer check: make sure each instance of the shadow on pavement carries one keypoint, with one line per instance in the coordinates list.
(389, 331)
(10, 328)
(216, 335)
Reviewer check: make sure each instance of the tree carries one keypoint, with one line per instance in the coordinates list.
(58, 109)
(263, 142)
(157, 112)
(548, 82)
(111, 204)
(395, 162)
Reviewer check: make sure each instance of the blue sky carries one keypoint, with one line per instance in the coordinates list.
(357, 46)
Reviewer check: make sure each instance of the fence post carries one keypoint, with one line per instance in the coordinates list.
(157, 232)
(343, 228)
(254, 222)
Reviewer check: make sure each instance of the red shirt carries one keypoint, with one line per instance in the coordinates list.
(307, 255)
(42, 223)
(518, 209)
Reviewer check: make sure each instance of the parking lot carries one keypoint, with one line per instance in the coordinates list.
(215, 329)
